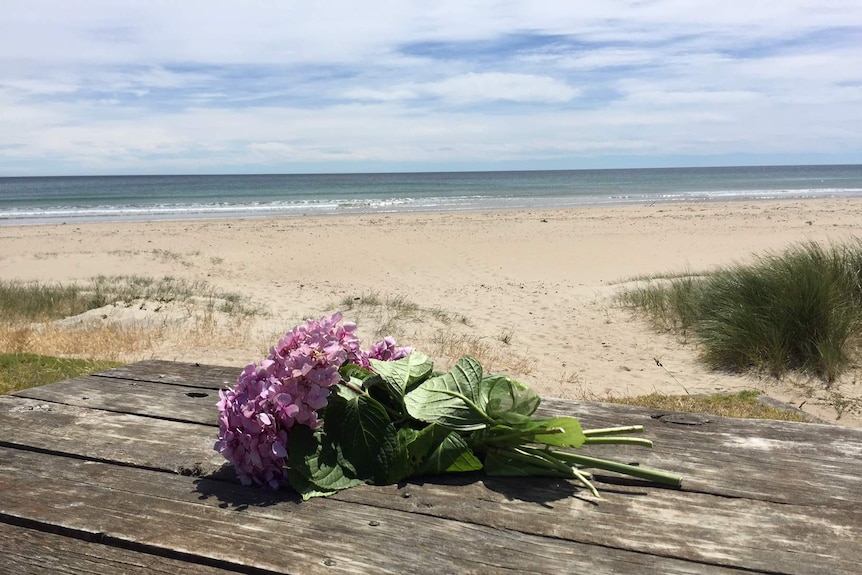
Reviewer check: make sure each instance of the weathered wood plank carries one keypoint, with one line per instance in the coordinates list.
(764, 463)
(33, 552)
(773, 461)
(170, 372)
(809, 437)
(797, 440)
(179, 447)
(534, 505)
(716, 530)
(174, 402)
(777, 461)
(251, 527)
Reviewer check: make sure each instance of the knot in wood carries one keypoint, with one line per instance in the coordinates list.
(683, 418)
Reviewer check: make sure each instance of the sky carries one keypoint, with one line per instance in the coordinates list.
(92, 87)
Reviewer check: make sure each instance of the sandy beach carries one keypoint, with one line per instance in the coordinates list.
(531, 290)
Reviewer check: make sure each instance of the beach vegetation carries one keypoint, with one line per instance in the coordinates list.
(436, 329)
(121, 317)
(45, 301)
(398, 307)
(796, 310)
(450, 344)
(23, 370)
(391, 312)
(669, 303)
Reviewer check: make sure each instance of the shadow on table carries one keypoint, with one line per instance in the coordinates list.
(223, 485)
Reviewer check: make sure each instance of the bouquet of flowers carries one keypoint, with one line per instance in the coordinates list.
(321, 415)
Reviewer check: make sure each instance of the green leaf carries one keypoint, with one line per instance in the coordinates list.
(352, 371)
(451, 456)
(304, 487)
(419, 444)
(414, 447)
(314, 464)
(333, 428)
(507, 398)
(346, 392)
(368, 439)
(570, 435)
(399, 375)
(452, 400)
(354, 375)
(403, 465)
(303, 443)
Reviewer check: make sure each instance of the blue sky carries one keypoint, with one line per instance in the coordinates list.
(210, 86)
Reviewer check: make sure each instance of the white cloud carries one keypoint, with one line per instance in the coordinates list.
(476, 87)
(393, 94)
(501, 86)
(108, 86)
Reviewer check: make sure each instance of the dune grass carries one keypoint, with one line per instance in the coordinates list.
(798, 310)
(452, 345)
(22, 370)
(391, 314)
(396, 308)
(40, 301)
(444, 335)
(190, 313)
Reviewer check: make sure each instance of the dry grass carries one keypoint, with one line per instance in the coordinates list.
(110, 341)
(126, 342)
(21, 371)
(122, 319)
(393, 314)
(743, 405)
(450, 346)
(446, 336)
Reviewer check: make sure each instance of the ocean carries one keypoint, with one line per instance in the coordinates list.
(40, 200)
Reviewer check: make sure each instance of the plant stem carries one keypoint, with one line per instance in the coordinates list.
(353, 388)
(513, 437)
(614, 430)
(563, 468)
(547, 456)
(580, 476)
(653, 475)
(618, 441)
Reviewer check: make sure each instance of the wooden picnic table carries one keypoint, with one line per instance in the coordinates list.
(115, 473)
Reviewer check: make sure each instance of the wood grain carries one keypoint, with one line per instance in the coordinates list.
(759, 459)
(115, 473)
(33, 552)
(215, 520)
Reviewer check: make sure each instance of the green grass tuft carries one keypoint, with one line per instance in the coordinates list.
(22, 370)
(38, 301)
(800, 310)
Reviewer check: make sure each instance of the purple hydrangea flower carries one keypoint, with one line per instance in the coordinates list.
(387, 350)
(287, 388)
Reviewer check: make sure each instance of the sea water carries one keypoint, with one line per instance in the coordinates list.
(36, 200)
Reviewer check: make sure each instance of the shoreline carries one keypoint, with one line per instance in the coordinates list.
(491, 205)
(536, 286)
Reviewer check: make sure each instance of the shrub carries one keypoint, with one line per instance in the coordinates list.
(797, 310)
